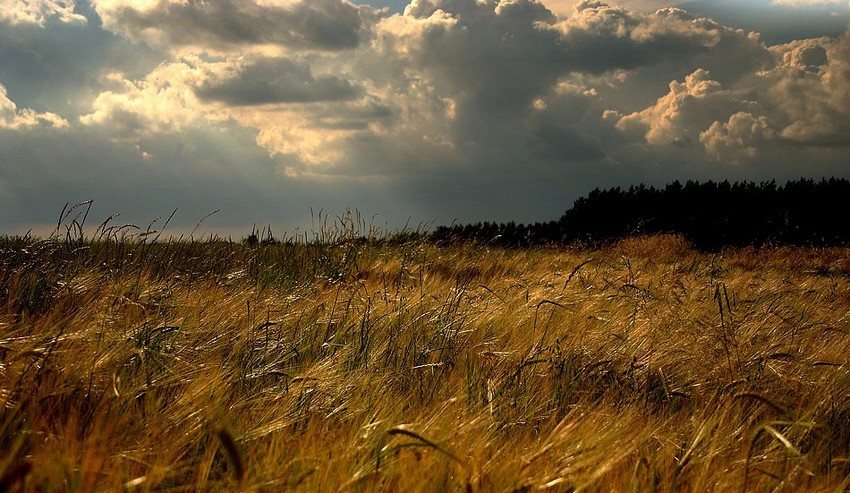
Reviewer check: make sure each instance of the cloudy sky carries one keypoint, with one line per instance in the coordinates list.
(427, 111)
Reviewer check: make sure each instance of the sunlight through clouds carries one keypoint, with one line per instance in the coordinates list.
(163, 102)
(410, 81)
(415, 75)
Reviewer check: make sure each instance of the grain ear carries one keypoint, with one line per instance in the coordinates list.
(233, 455)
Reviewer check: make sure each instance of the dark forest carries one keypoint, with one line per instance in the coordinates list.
(711, 215)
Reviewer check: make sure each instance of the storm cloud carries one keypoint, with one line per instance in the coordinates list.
(276, 81)
(231, 24)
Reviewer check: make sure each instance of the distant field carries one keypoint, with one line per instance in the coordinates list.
(370, 366)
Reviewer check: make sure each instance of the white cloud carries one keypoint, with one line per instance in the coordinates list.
(14, 119)
(738, 138)
(682, 114)
(164, 101)
(803, 99)
(38, 11)
(809, 90)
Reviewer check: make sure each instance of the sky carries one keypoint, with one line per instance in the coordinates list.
(425, 112)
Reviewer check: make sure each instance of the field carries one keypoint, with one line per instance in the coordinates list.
(352, 365)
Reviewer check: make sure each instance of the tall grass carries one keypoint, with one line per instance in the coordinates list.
(352, 365)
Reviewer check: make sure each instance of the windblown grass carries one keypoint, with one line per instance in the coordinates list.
(368, 366)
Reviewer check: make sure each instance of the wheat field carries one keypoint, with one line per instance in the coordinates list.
(645, 365)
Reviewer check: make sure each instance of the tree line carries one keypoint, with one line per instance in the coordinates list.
(711, 215)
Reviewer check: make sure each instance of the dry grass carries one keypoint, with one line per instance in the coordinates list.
(346, 366)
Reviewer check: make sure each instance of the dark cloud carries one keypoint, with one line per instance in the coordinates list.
(493, 53)
(519, 84)
(267, 81)
(600, 38)
(475, 69)
(60, 66)
(357, 116)
(229, 24)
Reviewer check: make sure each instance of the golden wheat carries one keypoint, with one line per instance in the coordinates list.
(359, 366)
